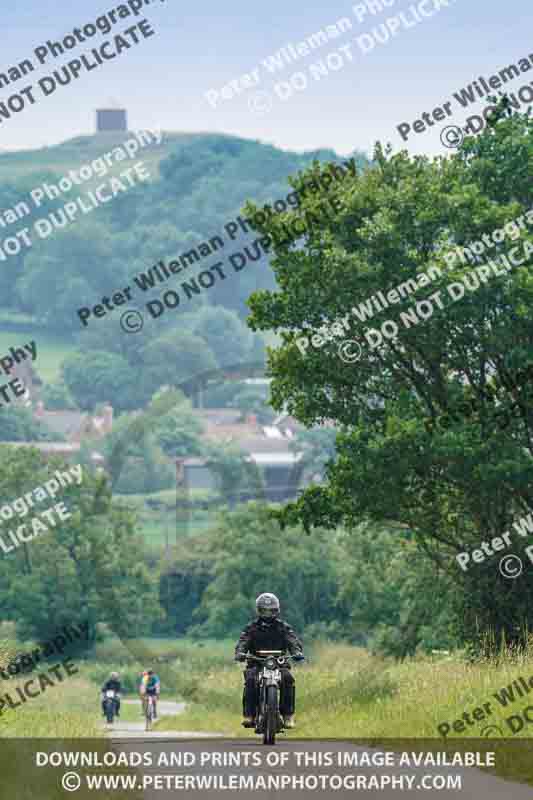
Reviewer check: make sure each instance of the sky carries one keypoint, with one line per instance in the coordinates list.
(199, 48)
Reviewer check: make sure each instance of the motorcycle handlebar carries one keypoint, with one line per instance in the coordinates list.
(262, 659)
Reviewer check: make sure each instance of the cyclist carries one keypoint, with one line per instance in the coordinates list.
(142, 690)
(150, 685)
(268, 632)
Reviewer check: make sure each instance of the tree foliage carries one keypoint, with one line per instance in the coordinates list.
(90, 567)
(249, 556)
(422, 442)
(19, 425)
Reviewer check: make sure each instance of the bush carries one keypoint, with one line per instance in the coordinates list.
(138, 477)
(56, 397)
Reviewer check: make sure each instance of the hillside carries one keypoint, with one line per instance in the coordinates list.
(197, 183)
(73, 153)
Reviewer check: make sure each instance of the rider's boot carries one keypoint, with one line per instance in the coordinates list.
(288, 721)
(248, 722)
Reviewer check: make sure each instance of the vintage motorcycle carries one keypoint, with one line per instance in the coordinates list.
(269, 721)
(110, 705)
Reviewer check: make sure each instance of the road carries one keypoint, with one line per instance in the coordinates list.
(211, 755)
(136, 730)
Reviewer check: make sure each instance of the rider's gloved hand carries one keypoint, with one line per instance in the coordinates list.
(299, 657)
(240, 657)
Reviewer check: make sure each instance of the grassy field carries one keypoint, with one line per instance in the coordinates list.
(71, 708)
(344, 692)
(68, 709)
(163, 525)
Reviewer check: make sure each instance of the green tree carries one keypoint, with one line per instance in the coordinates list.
(253, 400)
(56, 396)
(230, 340)
(19, 425)
(178, 432)
(142, 467)
(82, 261)
(123, 441)
(176, 359)
(89, 568)
(395, 600)
(422, 440)
(98, 377)
(238, 477)
(183, 582)
(317, 447)
(250, 555)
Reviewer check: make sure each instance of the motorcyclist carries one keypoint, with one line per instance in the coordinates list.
(150, 686)
(112, 684)
(268, 632)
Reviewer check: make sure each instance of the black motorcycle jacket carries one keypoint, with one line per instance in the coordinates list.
(268, 635)
(111, 685)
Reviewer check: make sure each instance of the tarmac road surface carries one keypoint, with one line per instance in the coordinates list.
(136, 730)
(210, 758)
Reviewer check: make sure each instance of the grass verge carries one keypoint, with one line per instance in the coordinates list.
(344, 692)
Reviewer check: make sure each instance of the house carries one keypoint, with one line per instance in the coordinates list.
(267, 447)
(74, 426)
(71, 428)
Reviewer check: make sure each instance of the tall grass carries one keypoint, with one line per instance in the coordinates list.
(68, 710)
(343, 692)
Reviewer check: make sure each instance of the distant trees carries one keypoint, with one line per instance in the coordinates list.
(253, 400)
(370, 587)
(141, 449)
(57, 396)
(175, 358)
(202, 184)
(317, 446)
(19, 425)
(229, 339)
(248, 556)
(100, 376)
(91, 567)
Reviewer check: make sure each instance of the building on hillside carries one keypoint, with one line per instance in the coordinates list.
(109, 120)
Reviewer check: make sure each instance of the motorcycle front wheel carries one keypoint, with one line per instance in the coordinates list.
(271, 715)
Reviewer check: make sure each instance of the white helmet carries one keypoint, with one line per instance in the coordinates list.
(267, 606)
